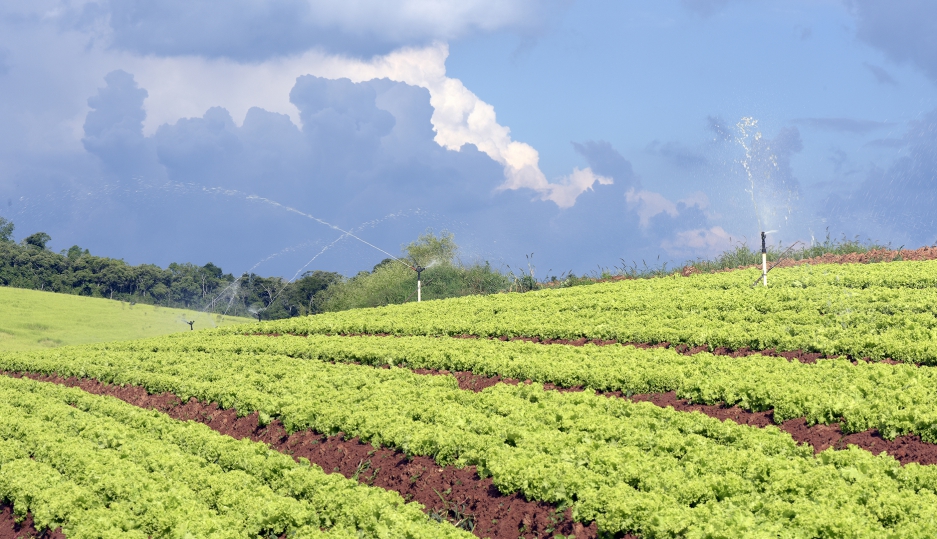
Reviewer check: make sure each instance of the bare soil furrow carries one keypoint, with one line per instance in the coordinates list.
(10, 529)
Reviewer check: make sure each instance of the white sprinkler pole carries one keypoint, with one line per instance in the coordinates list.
(764, 261)
(419, 282)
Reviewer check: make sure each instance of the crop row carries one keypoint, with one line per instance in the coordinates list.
(889, 310)
(630, 466)
(99, 467)
(895, 399)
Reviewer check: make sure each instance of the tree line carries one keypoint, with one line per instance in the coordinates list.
(30, 264)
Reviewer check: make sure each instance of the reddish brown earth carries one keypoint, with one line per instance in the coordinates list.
(457, 495)
(873, 256)
(9, 529)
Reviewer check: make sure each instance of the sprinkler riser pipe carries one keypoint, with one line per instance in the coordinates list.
(419, 282)
(764, 268)
(764, 260)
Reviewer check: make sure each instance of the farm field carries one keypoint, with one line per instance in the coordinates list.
(877, 310)
(346, 431)
(32, 319)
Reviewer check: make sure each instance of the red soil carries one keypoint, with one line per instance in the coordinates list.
(9, 529)
(873, 256)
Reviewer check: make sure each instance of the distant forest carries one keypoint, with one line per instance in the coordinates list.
(30, 264)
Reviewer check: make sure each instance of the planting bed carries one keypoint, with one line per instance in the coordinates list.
(860, 310)
(448, 493)
(896, 399)
(907, 448)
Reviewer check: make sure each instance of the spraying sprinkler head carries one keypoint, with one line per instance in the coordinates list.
(191, 324)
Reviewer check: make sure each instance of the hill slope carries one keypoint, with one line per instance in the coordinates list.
(31, 319)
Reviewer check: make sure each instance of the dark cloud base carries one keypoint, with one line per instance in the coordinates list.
(365, 159)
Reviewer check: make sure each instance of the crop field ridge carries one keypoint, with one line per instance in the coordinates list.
(684, 349)
(907, 448)
(459, 495)
(895, 399)
(874, 310)
(526, 444)
(449, 493)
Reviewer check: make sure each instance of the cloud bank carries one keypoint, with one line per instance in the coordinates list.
(254, 30)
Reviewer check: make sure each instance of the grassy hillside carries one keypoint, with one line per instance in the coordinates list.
(30, 319)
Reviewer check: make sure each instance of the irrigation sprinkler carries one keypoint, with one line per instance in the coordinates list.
(764, 264)
(191, 324)
(419, 272)
(764, 260)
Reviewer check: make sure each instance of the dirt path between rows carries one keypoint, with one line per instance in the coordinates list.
(459, 496)
(9, 529)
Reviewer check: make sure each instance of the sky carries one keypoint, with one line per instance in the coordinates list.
(556, 136)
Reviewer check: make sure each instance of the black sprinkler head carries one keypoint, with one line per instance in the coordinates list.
(764, 249)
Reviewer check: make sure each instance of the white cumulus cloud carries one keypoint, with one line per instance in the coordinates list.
(647, 204)
(181, 87)
(701, 241)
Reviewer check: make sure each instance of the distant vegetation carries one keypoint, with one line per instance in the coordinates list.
(30, 264)
(394, 281)
(742, 255)
(31, 320)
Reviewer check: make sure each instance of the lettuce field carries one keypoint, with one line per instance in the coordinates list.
(672, 407)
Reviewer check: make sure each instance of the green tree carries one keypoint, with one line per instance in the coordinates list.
(75, 251)
(304, 295)
(6, 231)
(39, 239)
(430, 249)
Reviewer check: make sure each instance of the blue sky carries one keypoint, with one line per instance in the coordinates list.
(591, 134)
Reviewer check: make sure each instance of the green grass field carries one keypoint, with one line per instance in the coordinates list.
(30, 320)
